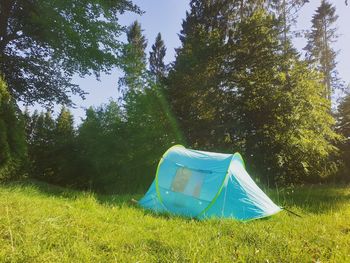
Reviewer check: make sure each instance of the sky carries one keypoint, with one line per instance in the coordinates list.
(166, 17)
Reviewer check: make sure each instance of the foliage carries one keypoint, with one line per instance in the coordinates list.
(343, 128)
(113, 150)
(43, 43)
(40, 139)
(156, 59)
(281, 112)
(42, 223)
(13, 149)
(237, 84)
(252, 94)
(65, 149)
(133, 62)
(195, 80)
(52, 147)
(103, 150)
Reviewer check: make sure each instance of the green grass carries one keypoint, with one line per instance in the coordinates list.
(42, 223)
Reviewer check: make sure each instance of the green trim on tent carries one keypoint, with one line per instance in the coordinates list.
(244, 202)
(218, 193)
(240, 158)
(160, 162)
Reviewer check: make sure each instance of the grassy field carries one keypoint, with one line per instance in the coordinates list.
(42, 223)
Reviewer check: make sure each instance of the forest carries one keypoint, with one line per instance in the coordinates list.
(237, 84)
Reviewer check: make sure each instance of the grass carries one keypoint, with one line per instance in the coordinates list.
(43, 223)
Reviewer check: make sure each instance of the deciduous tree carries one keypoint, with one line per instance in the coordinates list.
(13, 149)
(43, 43)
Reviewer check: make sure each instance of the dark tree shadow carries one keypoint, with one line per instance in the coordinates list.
(316, 199)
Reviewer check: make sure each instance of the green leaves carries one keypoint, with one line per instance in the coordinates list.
(44, 43)
(13, 149)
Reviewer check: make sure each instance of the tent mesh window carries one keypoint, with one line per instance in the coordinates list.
(188, 181)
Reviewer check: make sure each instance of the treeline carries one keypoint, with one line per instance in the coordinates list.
(107, 153)
(237, 84)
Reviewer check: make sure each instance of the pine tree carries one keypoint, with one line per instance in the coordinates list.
(156, 59)
(134, 61)
(343, 128)
(343, 125)
(64, 148)
(274, 125)
(236, 87)
(41, 145)
(196, 82)
(319, 49)
(144, 111)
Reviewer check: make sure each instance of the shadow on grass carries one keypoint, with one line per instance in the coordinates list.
(72, 194)
(315, 199)
(111, 200)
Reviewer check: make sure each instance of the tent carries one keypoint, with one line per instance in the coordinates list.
(202, 185)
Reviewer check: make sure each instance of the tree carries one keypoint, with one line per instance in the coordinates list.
(64, 149)
(194, 85)
(13, 150)
(145, 111)
(104, 151)
(343, 128)
(134, 61)
(278, 112)
(40, 138)
(250, 94)
(156, 59)
(319, 49)
(43, 43)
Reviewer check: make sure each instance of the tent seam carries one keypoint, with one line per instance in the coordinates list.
(157, 172)
(217, 194)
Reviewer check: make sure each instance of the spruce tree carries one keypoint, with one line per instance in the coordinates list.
(196, 82)
(64, 148)
(236, 87)
(156, 59)
(319, 50)
(134, 61)
(147, 121)
(274, 125)
(42, 157)
(343, 127)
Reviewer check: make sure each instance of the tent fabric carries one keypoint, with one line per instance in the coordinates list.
(203, 185)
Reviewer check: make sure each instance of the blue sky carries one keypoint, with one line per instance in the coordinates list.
(166, 17)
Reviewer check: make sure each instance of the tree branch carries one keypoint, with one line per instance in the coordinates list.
(5, 9)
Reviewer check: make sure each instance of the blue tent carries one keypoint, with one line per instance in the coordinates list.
(202, 185)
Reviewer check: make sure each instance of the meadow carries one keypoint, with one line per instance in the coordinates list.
(45, 223)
